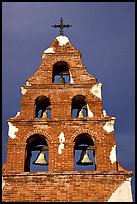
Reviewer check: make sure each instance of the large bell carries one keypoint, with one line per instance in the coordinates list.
(41, 158)
(84, 159)
(61, 80)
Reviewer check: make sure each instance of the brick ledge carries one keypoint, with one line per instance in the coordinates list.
(64, 173)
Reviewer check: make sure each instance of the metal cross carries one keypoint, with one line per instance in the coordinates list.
(61, 26)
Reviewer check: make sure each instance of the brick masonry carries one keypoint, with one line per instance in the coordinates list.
(68, 186)
(60, 182)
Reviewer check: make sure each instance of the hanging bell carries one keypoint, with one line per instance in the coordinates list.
(84, 159)
(61, 80)
(44, 114)
(80, 113)
(41, 158)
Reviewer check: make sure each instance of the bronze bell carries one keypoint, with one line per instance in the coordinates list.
(80, 113)
(44, 114)
(41, 158)
(84, 159)
(61, 80)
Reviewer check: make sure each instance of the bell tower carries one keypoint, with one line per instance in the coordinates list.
(61, 119)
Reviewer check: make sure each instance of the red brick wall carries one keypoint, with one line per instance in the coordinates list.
(51, 130)
(68, 186)
(61, 99)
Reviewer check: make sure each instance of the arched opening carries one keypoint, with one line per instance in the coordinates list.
(60, 73)
(42, 107)
(36, 154)
(78, 107)
(84, 153)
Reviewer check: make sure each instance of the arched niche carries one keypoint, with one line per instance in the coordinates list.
(42, 107)
(60, 73)
(78, 107)
(84, 143)
(34, 144)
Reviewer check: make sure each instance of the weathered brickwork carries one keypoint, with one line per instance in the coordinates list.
(68, 186)
(60, 132)
(51, 132)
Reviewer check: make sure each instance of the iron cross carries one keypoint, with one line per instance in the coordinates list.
(61, 26)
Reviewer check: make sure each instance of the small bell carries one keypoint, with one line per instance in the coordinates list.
(41, 158)
(84, 159)
(44, 114)
(61, 80)
(80, 113)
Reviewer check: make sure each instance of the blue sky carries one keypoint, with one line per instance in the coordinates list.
(105, 34)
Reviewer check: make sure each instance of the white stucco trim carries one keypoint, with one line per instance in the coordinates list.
(113, 154)
(123, 193)
(63, 40)
(27, 83)
(109, 126)
(23, 90)
(49, 50)
(61, 140)
(12, 130)
(18, 113)
(96, 90)
(90, 114)
(104, 113)
(71, 79)
(3, 183)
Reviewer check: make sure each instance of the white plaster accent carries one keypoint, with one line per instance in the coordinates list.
(104, 113)
(123, 193)
(27, 83)
(109, 126)
(90, 114)
(49, 50)
(18, 113)
(23, 90)
(96, 90)
(63, 40)
(60, 148)
(113, 154)
(61, 137)
(61, 140)
(3, 183)
(12, 130)
(71, 79)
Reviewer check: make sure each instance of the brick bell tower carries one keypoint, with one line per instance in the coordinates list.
(61, 119)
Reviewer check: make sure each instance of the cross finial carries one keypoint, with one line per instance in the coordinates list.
(61, 26)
